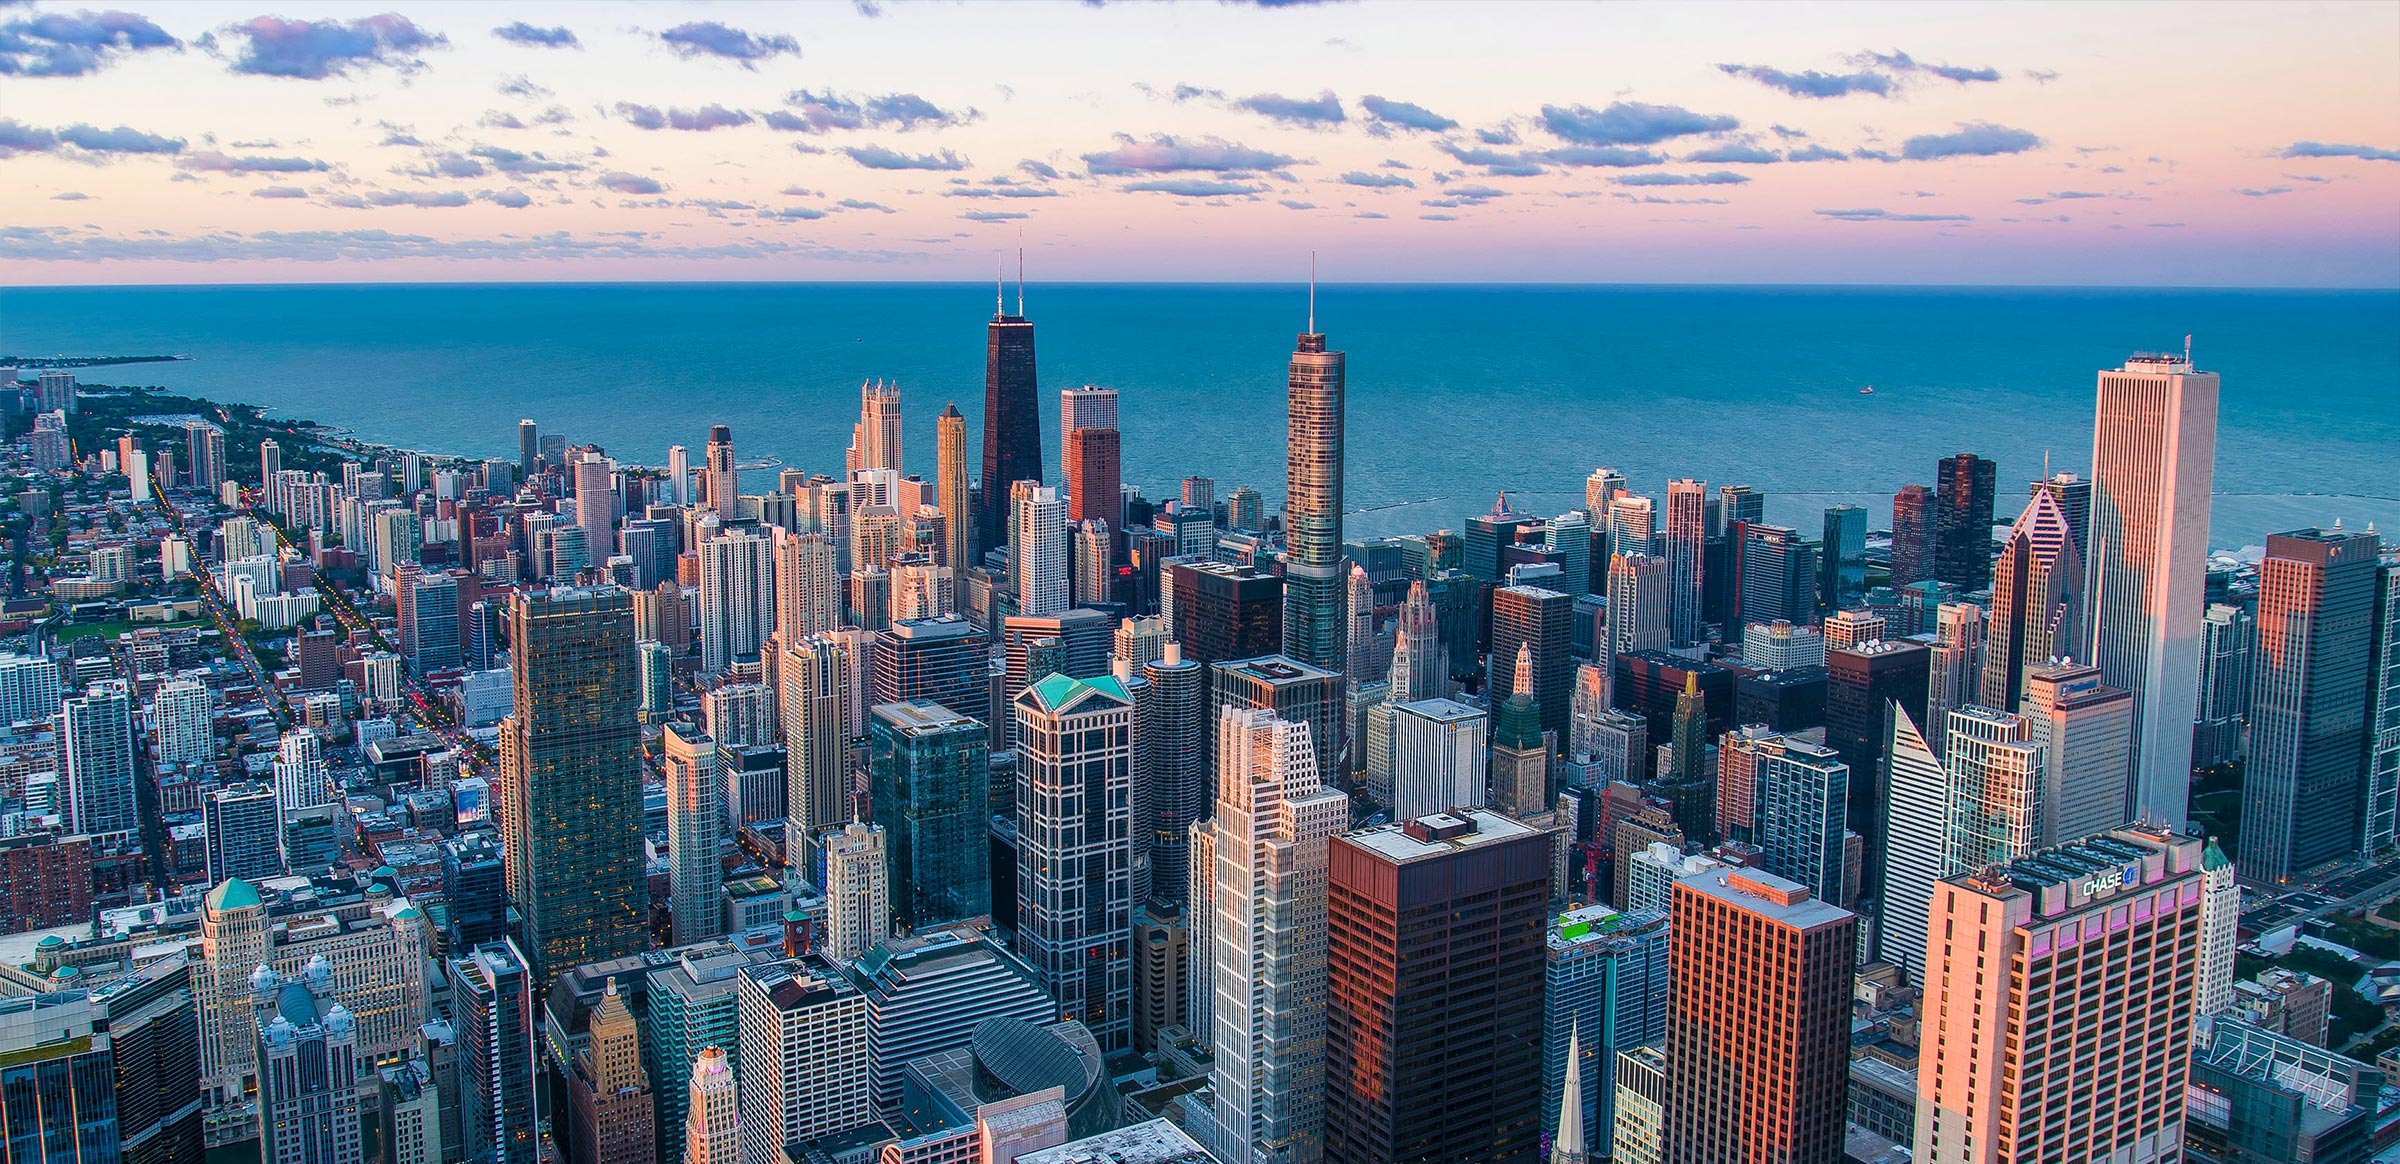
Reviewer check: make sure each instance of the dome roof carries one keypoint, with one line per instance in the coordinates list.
(234, 893)
(262, 979)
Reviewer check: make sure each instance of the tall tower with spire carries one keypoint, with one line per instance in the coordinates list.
(1567, 1146)
(1012, 419)
(1419, 668)
(1520, 754)
(1312, 502)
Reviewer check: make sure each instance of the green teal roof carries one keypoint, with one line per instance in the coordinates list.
(2213, 857)
(1519, 724)
(1058, 691)
(235, 893)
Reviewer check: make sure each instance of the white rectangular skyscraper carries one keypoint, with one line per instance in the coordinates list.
(2154, 443)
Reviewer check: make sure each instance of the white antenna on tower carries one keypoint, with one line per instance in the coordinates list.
(1312, 292)
(999, 283)
(2187, 351)
(1020, 271)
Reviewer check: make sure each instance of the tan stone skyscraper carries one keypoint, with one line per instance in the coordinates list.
(608, 1093)
(695, 816)
(708, 1132)
(950, 489)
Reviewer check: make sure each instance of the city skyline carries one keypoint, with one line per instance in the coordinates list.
(1616, 144)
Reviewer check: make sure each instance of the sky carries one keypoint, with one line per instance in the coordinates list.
(2168, 144)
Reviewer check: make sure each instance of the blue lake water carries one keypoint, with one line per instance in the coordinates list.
(1456, 392)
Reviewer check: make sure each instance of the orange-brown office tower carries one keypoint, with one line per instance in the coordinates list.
(1092, 476)
(1435, 955)
(1758, 1032)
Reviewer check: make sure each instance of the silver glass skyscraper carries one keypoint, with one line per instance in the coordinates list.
(1312, 505)
(2154, 443)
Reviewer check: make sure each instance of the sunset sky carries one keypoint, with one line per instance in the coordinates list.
(2081, 143)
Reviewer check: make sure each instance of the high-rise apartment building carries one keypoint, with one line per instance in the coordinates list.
(1803, 813)
(1687, 529)
(1038, 550)
(1074, 856)
(1089, 406)
(1094, 464)
(1266, 961)
(571, 760)
(1312, 502)
(817, 674)
(2154, 442)
(1962, 525)
(2227, 635)
(931, 773)
(1637, 604)
(695, 819)
(2310, 693)
(875, 441)
(491, 1001)
(245, 833)
(1220, 611)
(1913, 516)
(721, 475)
(1435, 954)
(952, 490)
(1955, 661)
(1605, 989)
(808, 590)
(95, 739)
(1292, 690)
(1757, 1039)
(2058, 1004)
(1171, 728)
(186, 730)
(1996, 786)
(737, 598)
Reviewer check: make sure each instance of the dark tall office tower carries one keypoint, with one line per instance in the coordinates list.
(1758, 1048)
(1962, 526)
(1293, 690)
(943, 660)
(1094, 466)
(571, 757)
(529, 447)
(1435, 955)
(1842, 559)
(2308, 702)
(491, 1004)
(1687, 784)
(1859, 681)
(1012, 419)
(1220, 611)
(1170, 727)
(720, 474)
(1489, 534)
(1529, 616)
(1778, 577)
(1912, 535)
(2037, 590)
(2379, 824)
(1312, 502)
(932, 778)
(153, 1032)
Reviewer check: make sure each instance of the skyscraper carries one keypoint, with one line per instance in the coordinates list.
(1757, 1056)
(858, 891)
(2085, 729)
(529, 447)
(1778, 576)
(2379, 826)
(1605, 988)
(1074, 859)
(679, 475)
(1220, 611)
(1996, 784)
(1962, 526)
(1803, 812)
(596, 504)
(931, 772)
(1419, 670)
(1012, 420)
(1912, 535)
(571, 757)
(491, 1000)
(1859, 682)
(95, 736)
(695, 817)
(1089, 406)
(2154, 441)
(181, 709)
(1687, 529)
(804, 1069)
(1312, 502)
(1171, 725)
(308, 1069)
(1919, 809)
(1637, 604)
(2036, 595)
(816, 673)
(721, 479)
(1842, 560)
(1955, 662)
(808, 590)
(1434, 1007)
(875, 443)
(951, 488)
(608, 1093)
(2227, 635)
(2059, 989)
(1542, 620)
(1038, 549)
(737, 598)
(2309, 697)
(710, 1134)
(1267, 957)
(1292, 690)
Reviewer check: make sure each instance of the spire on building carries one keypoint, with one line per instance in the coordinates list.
(1567, 1146)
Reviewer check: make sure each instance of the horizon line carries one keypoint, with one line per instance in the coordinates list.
(1494, 284)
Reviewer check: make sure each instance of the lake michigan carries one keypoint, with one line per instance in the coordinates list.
(1455, 392)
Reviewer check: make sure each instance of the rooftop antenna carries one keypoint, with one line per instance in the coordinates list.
(1020, 271)
(2045, 464)
(999, 280)
(2187, 351)
(1312, 292)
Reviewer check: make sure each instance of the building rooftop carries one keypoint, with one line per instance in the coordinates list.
(1277, 669)
(1438, 834)
(1778, 899)
(1152, 1142)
